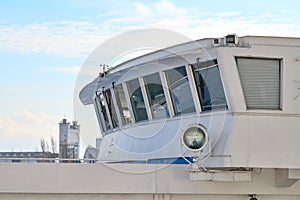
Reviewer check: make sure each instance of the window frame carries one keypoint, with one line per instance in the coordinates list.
(164, 82)
(175, 83)
(146, 100)
(194, 88)
(99, 116)
(147, 95)
(215, 65)
(134, 112)
(100, 107)
(163, 76)
(111, 110)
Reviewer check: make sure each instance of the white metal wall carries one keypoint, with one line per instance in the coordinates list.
(125, 180)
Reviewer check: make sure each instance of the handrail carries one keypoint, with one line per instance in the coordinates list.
(81, 160)
(46, 160)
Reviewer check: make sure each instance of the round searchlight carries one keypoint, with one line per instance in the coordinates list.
(195, 137)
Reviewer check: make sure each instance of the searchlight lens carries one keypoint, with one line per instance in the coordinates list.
(194, 138)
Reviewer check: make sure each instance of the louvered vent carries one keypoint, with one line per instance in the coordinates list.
(260, 80)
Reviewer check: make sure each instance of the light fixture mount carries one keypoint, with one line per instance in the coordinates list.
(195, 137)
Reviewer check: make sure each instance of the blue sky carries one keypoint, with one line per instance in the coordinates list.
(44, 43)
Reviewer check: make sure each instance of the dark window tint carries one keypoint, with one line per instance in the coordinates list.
(137, 101)
(122, 104)
(156, 96)
(209, 85)
(101, 106)
(111, 108)
(181, 95)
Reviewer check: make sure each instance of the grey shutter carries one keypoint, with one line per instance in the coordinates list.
(260, 79)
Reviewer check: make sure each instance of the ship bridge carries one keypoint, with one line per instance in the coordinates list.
(231, 102)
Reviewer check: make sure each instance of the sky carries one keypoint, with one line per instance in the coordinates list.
(43, 45)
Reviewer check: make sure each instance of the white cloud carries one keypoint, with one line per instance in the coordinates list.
(67, 38)
(73, 38)
(142, 9)
(111, 13)
(23, 130)
(65, 70)
(227, 14)
(165, 7)
(145, 15)
(197, 23)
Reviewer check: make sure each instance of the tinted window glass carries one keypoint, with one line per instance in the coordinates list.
(122, 104)
(209, 85)
(180, 91)
(100, 100)
(156, 96)
(99, 115)
(137, 101)
(111, 108)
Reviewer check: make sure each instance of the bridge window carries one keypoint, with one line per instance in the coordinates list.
(122, 104)
(260, 79)
(101, 106)
(156, 96)
(209, 85)
(98, 114)
(137, 101)
(181, 95)
(111, 108)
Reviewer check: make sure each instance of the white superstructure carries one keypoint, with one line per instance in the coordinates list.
(230, 107)
(242, 91)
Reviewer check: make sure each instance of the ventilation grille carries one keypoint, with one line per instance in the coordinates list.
(260, 80)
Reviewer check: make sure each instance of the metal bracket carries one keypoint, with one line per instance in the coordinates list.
(219, 175)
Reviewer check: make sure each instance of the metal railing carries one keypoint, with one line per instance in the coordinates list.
(46, 160)
(84, 160)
